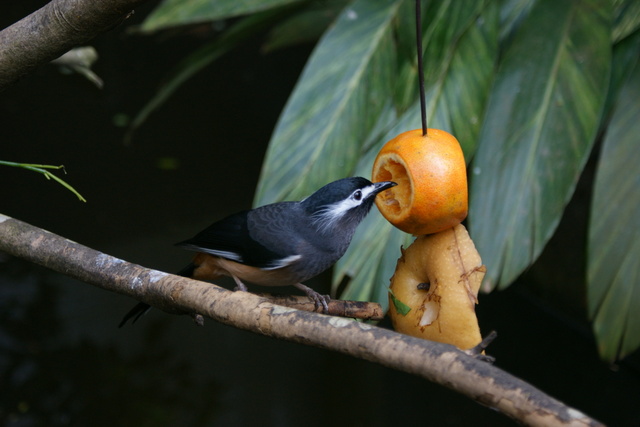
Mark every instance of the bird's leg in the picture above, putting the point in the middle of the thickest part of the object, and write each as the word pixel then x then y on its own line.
pixel 318 300
pixel 240 286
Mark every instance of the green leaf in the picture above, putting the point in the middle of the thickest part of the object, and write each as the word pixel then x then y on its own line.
pixel 341 92
pixel 461 47
pixel 306 26
pixel 468 79
pixel 512 12
pixel 401 307
pixel 626 18
pixel 171 13
pixel 541 121
pixel 458 85
pixel 625 57
pixel 43 170
pixel 406 90
pixel 613 274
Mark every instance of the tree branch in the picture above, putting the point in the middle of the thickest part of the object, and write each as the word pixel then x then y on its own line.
pixel 440 363
pixel 354 309
pixel 54 29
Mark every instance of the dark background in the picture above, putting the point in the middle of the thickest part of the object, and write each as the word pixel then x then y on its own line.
pixel 64 362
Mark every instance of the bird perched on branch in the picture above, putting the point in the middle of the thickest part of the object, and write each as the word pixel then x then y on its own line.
pixel 281 244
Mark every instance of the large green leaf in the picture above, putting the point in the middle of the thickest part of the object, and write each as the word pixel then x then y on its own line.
pixel 467 82
pixel 460 39
pixel 614 238
pixel 626 54
pixel 540 125
pixel 512 13
pixel 341 93
pixel 171 13
pixel 457 84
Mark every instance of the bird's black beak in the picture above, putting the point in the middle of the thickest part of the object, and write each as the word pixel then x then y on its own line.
pixel 381 186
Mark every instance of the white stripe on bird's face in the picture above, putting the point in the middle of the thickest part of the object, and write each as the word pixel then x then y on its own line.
pixel 329 215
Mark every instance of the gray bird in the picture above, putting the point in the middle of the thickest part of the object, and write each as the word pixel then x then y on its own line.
pixel 281 244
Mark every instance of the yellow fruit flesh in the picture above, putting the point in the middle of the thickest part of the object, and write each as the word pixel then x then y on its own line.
pixel 449 266
pixel 392 169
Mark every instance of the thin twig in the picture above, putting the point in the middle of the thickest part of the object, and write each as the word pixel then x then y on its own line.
pixel 42 169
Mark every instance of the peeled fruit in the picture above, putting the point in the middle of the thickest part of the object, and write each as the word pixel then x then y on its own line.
pixel 431 174
pixel 438 277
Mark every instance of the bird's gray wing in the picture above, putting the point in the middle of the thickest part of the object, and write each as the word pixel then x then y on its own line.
pixel 231 238
pixel 276 227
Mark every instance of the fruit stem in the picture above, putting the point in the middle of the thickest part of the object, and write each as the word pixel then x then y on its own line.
pixel 423 107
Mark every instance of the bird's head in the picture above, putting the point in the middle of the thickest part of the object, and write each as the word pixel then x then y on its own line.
pixel 343 203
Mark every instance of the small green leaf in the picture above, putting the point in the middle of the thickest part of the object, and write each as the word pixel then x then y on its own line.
pixel 48 175
pixel 401 307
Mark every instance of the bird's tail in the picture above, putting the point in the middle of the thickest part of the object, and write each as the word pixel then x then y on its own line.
pixel 188 270
pixel 141 308
pixel 135 313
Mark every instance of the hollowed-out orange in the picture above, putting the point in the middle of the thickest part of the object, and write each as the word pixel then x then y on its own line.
pixel 431 174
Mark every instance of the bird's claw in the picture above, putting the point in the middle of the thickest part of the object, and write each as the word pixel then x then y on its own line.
pixel 198 319
pixel 478 351
pixel 239 285
pixel 321 302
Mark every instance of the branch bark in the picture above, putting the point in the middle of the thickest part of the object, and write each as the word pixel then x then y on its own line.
pixel 353 309
pixel 440 363
pixel 52 30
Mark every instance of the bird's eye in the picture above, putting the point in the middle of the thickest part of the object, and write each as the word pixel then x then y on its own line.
pixel 357 195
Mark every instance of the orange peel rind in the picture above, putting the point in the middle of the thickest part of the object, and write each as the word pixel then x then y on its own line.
pixel 430 171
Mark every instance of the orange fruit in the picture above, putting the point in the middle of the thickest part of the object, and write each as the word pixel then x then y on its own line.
pixel 431 174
